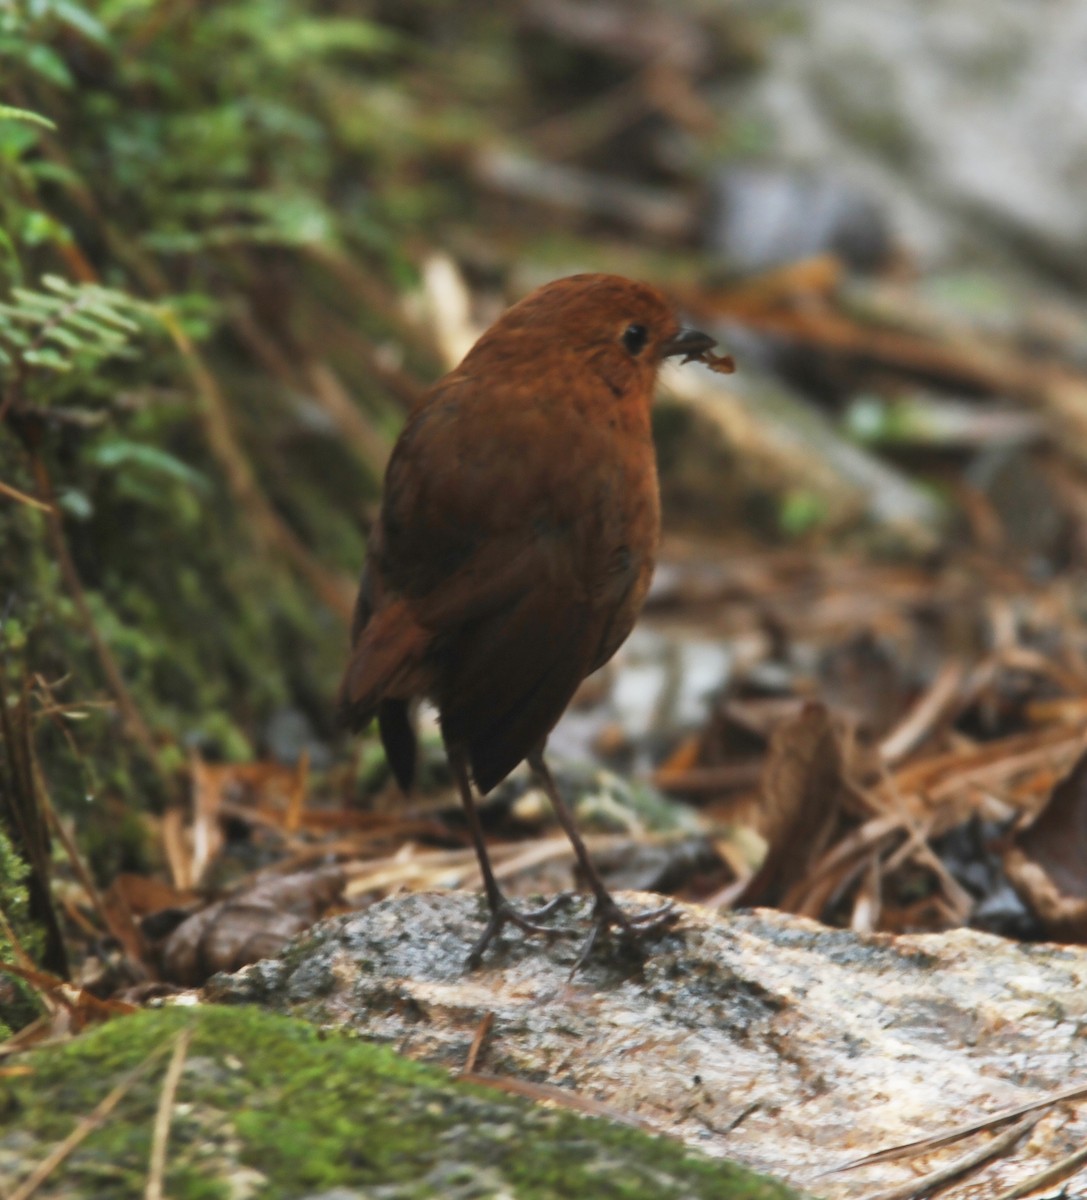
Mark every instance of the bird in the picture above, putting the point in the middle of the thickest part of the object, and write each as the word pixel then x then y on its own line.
pixel 513 550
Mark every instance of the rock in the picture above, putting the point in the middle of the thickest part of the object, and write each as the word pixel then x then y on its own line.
pixel 788 1046
pixel 955 115
pixel 289 734
pixel 763 216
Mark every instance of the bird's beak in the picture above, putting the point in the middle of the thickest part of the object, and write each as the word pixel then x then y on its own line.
pixel 690 342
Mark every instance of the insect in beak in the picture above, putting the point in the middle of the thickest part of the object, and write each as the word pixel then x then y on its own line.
pixel 689 342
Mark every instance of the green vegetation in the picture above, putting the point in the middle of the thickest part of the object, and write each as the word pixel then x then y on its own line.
pixel 205 222
pixel 17 1002
pixel 270 1101
pixel 209 217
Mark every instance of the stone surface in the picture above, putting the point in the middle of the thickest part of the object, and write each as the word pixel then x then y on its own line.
pixel 785 1045
pixel 965 117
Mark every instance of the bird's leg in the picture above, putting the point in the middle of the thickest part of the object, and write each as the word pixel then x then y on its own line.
pixel 502 911
pixel 606 913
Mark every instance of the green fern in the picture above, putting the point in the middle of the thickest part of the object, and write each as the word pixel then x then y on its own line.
pixel 67 327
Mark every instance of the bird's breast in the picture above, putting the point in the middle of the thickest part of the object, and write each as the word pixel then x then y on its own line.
pixel 608 515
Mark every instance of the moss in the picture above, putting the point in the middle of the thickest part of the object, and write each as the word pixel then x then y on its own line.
pixel 212 639
pixel 269 1105
pixel 17 1002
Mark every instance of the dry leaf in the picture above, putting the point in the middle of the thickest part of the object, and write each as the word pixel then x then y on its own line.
pixel 801 789
pixel 1047 861
pixel 253 924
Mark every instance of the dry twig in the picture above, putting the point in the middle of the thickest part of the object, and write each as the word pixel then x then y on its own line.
pixel 482 1029
pixel 934 1181
pixel 88 1124
pixel 161 1134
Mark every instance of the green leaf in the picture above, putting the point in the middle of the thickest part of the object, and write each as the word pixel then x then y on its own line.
pixel 113 453
pixel 47 63
pixel 46 357
pixel 7 113
pixel 30 306
pixel 38 228
pixel 77 17
pixel 76 504
pixel 801 511
pixel 316 37
pixel 64 337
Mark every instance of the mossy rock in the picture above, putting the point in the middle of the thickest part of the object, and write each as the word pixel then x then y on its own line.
pixel 269 1107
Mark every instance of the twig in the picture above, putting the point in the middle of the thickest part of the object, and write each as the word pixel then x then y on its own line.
pixel 132 716
pixel 482 1030
pixel 328 390
pixel 923 715
pixel 546 1093
pixel 989 365
pixel 927 1184
pixel 1045 1178
pixel 1076 1092
pixel 948 772
pixel 22 959
pixel 75 858
pixel 811 892
pixel 86 1126
pixel 270 530
pixel 13 492
pixel 22 809
pixel 570 133
pixel 708 780
pixel 296 800
pixel 791 446
pixel 161 1134
pixel 370 445
pixel 652 210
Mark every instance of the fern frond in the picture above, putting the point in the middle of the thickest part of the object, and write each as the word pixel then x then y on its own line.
pixel 64 327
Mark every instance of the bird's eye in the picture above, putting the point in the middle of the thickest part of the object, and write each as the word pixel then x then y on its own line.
pixel 635 337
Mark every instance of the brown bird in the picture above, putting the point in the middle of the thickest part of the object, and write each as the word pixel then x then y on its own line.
pixel 514 548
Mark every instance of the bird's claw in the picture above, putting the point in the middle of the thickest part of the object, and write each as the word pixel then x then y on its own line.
pixel 503 913
pixel 608 914
pixel 632 927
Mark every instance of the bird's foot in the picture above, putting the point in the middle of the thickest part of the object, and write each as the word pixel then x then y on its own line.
pixel 503 913
pixel 632 927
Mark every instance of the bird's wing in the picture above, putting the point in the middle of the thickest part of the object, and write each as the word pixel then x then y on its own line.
pixel 487 587
pixel 454 542
pixel 469 519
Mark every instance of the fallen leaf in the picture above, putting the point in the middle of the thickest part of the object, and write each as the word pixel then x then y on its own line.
pixel 1047 861
pixel 801 790
pixel 254 923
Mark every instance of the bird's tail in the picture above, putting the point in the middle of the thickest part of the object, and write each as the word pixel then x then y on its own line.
pixel 394 720
pixel 386 664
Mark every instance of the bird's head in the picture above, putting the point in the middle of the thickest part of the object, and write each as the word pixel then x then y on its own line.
pixel 614 329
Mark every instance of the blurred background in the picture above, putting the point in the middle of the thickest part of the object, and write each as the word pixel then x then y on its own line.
pixel 237 241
